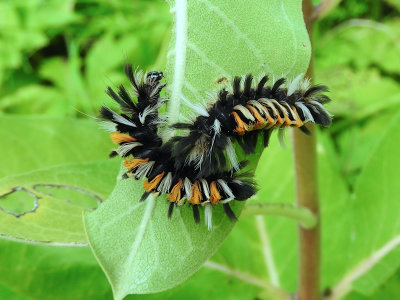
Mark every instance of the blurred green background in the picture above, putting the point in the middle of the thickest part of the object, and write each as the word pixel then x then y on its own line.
pixel 57 57
pixel 64 53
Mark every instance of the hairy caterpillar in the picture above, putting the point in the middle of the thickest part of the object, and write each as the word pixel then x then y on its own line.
pixel 193 168
pixel 242 115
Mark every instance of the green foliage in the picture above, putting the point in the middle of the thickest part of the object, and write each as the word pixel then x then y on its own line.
pixel 57 57
pixel 365 84
pixel 353 9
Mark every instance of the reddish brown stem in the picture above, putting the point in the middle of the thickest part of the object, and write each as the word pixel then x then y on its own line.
pixel 307 195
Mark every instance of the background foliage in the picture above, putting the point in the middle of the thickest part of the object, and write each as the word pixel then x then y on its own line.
pixel 57 57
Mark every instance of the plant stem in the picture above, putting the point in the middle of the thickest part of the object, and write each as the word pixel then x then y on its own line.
pixel 307 196
pixel 299 214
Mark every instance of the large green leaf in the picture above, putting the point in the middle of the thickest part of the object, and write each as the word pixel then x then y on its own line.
pixel 139 249
pixel 52 175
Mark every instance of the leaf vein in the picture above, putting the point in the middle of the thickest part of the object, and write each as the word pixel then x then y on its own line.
pixel 180 60
pixel 267 251
pixel 344 286
pixel 217 11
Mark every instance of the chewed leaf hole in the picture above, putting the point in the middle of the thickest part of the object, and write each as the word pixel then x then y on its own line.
pixel 18 202
pixel 70 194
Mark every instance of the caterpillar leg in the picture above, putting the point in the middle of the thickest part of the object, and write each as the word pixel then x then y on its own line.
pixel 229 212
pixel 144 196
pixel 305 130
pixel 196 214
pixel 171 209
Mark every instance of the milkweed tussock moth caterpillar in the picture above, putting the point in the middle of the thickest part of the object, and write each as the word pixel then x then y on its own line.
pixel 193 168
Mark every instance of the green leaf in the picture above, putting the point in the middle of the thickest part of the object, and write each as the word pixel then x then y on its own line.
pixel 378 273
pixel 388 291
pixel 140 250
pixel 50 273
pixel 375 230
pixel 375 202
pixel 35 214
pixel 32 143
pixel 51 178
pixel 356 142
pixel 6 293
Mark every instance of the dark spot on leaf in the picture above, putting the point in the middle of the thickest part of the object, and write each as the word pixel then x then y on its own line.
pixel 18 202
pixel 70 194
